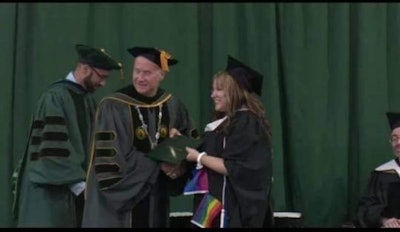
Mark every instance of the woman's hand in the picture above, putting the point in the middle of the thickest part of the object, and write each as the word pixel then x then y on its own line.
pixel 192 154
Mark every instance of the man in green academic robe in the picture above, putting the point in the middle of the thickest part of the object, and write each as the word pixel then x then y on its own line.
pixel 50 179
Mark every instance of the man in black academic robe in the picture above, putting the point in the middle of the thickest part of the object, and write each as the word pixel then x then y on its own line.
pixel 125 187
pixel 380 204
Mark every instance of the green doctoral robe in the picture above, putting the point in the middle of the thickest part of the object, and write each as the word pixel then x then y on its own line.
pixel 125 188
pixel 377 201
pixel 56 156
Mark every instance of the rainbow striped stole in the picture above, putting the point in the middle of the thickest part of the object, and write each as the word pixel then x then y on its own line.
pixel 198 184
pixel 208 209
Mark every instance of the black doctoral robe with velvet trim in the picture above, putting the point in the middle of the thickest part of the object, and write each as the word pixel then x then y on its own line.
pixel 125 188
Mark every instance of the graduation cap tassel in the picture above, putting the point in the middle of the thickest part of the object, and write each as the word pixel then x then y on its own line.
pixel 121 72
pixel 164 56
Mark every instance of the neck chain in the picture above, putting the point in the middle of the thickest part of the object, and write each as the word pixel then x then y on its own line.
pixel 153 144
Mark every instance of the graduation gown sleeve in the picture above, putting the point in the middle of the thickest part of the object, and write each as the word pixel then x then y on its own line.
pixel 56 152
pixel 119 175
pixel 179 119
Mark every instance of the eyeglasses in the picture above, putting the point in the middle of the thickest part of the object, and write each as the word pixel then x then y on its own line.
pixel 394 139
pixel 98 74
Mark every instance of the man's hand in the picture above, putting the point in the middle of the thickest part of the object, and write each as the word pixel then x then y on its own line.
pixel 173 171
pixel 390 223
pixel 174 132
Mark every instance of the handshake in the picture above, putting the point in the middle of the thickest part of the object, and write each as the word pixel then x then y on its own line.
pixel 171 152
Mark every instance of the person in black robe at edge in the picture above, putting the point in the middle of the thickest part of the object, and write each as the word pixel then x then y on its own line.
pixel 380 204
pixel 237 150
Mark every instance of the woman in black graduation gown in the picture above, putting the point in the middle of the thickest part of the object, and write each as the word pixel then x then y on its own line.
pixel 237 151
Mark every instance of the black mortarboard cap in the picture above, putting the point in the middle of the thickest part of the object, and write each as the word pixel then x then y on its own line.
pixel 247 77
pixel 97 58
pixel 160 57
pixel 172 150
pixel 394 119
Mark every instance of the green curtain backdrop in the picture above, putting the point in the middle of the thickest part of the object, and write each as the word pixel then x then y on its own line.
pixel 331 71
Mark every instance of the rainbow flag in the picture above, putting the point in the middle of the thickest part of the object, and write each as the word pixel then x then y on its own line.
pixel 208 209
pixel 198 184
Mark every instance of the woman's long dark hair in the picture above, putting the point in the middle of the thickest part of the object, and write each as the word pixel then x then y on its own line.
pixel 238 97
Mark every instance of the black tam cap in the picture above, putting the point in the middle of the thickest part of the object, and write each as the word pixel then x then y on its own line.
pixel 159 57
pixel 394 119
pixel 247 77
pixel 97 58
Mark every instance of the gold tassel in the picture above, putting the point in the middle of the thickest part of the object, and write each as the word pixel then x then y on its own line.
pixel 164 56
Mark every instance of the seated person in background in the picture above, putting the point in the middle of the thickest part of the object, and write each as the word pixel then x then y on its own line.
pixel 379 206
